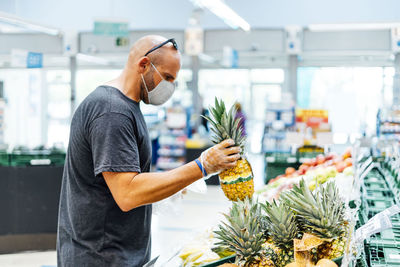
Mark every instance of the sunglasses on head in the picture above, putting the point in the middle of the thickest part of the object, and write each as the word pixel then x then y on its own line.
pixel 172 41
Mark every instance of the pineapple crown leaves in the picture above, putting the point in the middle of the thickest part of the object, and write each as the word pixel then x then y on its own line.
pixel 320 212
pixel 224 124
pixel 242 231
pixel 281 222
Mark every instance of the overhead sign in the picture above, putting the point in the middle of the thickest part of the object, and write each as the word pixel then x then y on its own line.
pixel 34 60
pixel 111 28
pixel 25 59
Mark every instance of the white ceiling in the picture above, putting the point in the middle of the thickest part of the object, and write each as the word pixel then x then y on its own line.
pixel 174 14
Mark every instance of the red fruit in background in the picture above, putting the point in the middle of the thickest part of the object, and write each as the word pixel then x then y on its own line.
pixel 348 162
pixel 330 156
pixel 313 162
pixel 290 171
pixel 303 167
pixel 320 159
pixel 340 166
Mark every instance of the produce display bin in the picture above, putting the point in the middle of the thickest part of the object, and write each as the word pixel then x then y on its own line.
pixel 39 157
pixel 276 163
pixel 4 159
pixel 306 152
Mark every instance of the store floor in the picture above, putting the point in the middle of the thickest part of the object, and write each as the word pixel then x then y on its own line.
pixel 191 215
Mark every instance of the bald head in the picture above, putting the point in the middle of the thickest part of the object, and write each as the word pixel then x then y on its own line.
pixel 144 44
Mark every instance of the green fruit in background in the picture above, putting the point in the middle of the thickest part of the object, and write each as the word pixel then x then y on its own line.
pixel 349 171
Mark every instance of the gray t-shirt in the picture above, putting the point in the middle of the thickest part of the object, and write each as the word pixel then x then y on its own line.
pixel 108 134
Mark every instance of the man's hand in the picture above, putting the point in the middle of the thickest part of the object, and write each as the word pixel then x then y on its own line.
pixel 220 157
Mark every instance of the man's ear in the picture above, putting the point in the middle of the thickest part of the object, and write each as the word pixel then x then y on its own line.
pixel 143 64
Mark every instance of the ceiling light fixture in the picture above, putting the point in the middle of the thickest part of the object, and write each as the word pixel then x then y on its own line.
pixel 28 25
pixel 224 12
pixel 352 27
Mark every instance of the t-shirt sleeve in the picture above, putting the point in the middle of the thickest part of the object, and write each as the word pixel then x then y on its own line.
pixel 114 144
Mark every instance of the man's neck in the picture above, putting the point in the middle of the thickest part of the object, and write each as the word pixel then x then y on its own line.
pixel 127 85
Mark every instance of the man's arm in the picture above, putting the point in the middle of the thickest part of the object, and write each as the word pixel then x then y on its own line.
pixel 131 190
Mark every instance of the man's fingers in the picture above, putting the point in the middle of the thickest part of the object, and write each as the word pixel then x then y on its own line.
pixel 226 143
pixel 232 150
pixel 233 158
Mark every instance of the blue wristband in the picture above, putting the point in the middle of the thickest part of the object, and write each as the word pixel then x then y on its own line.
pixel 203 171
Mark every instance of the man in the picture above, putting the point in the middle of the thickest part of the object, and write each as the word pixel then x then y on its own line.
pixel 107 189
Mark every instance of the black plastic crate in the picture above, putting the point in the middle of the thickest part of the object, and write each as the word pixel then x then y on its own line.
pixel 383 256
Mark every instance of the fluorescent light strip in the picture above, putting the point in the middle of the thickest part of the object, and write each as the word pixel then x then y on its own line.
pixel 352 26
pixel 224 12
pixel 22 23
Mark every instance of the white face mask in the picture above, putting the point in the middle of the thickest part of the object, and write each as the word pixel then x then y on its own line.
pixel 162 92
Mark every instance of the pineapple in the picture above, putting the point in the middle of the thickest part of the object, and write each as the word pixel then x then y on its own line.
pixel 237 182
pixel 243 234
pixel 320 213
pixel 282 229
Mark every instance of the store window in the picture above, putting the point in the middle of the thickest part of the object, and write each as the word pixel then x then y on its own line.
pixel 58 107
pixel 352 96
pixel 23 109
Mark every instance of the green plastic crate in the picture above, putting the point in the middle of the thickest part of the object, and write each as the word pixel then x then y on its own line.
pixel 4 159
pixel 377 194
pixel 374 180
pixel 277 163
pixel 386 238
pixel 362 261
pixel 28 158
pixel 381 256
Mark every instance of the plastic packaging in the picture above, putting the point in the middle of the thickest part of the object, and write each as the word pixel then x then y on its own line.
pixel 376 224
pixel 169 206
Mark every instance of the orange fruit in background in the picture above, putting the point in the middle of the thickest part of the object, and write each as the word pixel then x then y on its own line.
pixel 348 162
pixel 290 171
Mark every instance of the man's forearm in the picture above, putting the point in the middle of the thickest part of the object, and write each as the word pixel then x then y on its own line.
pixel 152 187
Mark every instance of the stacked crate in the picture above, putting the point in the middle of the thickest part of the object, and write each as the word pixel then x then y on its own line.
pixel 379 192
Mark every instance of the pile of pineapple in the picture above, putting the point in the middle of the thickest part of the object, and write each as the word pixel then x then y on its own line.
pixel 237 182
pixel 264 234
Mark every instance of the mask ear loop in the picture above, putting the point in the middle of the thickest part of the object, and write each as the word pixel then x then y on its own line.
pixel 145 86
pixel 157 70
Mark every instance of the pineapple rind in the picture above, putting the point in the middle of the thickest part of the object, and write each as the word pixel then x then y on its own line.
pixel 238 191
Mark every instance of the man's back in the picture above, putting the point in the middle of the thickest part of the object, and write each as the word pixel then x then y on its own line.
pixel 108 134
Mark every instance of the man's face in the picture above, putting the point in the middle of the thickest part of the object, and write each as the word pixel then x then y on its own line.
pixel 168 67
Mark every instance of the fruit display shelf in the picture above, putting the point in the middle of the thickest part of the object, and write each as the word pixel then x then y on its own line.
pixel 265 231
